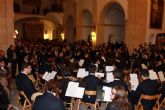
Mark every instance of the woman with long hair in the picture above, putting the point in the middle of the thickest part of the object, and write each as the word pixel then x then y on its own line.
pixel 119 99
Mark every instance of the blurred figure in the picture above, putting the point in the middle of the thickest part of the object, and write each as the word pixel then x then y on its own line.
pixel 119 99
pixel 49 100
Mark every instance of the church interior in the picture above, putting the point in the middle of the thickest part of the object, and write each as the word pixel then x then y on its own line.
pixel 77 50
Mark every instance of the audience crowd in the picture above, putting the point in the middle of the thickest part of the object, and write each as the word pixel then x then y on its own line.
pixel 37 57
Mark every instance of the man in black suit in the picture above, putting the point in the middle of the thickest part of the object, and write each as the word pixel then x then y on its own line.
pixel 49 100
pixel 23 82
pixel 118 80
pixel 146 87
pixel 91 83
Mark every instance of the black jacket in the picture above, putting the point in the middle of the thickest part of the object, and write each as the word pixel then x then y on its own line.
pixel 48 101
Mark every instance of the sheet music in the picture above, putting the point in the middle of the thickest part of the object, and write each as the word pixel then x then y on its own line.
pixel 82 73
pixel 81 62
pixel 74 91
pixel 79 92
pixel 134 81
pixel 52 75
pixel 103 58
pixel 109 68
pixel 109 77
pixel 107 93
pixel 153 75
pixel 45 75
pixel 144 66
pixel 99 74
pixel 71 60
pixel 48 76
pixel 161 76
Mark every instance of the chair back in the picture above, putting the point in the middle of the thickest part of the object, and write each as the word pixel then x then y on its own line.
pixel 26 102
pixel 162 104
pixel 149 98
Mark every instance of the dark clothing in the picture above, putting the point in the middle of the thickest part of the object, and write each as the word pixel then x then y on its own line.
pixel 4 102
pixel 48 101
pixel 12 58
pixel 116 106
pixel 118 83
pixel 147 87
pixel 64 83
pixel 25 84
pixel 91 82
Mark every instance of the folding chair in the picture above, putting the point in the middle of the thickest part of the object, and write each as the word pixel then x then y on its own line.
pixel 162 104
pixel 95 105
pixel 149 98
pixel 26 103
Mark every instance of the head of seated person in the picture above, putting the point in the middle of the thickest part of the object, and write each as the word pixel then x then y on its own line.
pixel 144 74
pixel 92 69
pixel 26 68
pixel 119 99
pixel 53 86
pixel 118 74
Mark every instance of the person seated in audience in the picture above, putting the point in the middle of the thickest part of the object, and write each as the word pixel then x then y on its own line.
pixel 119 99
pixel 146 87
pixel 66 77
pixel 4 101
pixel 49 100
pixel 24 83
pixel 4 76
pixel 118 80
pixel 91 82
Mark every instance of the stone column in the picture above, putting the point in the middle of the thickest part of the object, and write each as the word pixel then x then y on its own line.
pixel 6 24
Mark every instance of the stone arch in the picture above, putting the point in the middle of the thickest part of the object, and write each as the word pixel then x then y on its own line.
pixel 112 22
pixel 86 23
pixel 40 25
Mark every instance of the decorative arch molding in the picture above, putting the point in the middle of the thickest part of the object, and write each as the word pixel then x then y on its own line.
pixel 122 3
pixel 82 17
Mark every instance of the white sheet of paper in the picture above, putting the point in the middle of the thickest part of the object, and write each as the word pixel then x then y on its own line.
pixel 109 77
pixel 82 73
pixel 86 73
pixel 134 81
pixel 79 92
pixel 47 78
pixel 107 93
pixel 133 77
pixel 109 68
pixel 71 60
pixel 153 75
pixel 103 58
pixel 99 74
pixel 144 66
pixel 71 88
pixel 45 75
pixel 81 62
pixel 74 91
pixel 52 75
pixel 161 76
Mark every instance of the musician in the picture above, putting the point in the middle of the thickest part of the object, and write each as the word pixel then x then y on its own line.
pixel 91 82
pixel 24 83
pixel 118 80
pixel 49 100
pixel 4 76
pixel 146 87
pixel 119 99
